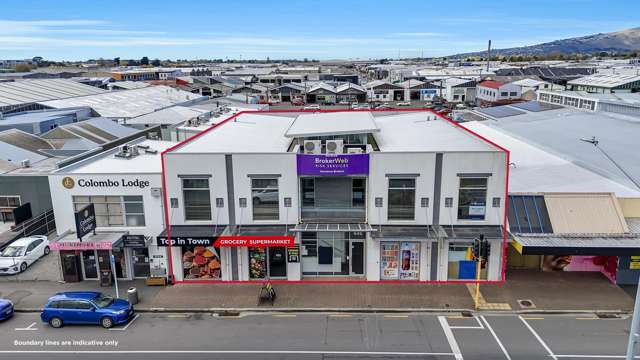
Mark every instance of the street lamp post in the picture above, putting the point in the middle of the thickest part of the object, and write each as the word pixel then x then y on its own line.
pixel 634 336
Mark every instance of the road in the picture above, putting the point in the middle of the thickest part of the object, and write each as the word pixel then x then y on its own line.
pixel 315 336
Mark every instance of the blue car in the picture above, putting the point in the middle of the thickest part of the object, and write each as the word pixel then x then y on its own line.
pixel 86 307
pixel 6 309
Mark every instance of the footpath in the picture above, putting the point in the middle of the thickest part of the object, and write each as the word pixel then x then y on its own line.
pixel 524 291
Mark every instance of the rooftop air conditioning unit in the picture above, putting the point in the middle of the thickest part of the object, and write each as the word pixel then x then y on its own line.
pixel 26 163
pixel 356 150
pixel 312 147
pixel 335 146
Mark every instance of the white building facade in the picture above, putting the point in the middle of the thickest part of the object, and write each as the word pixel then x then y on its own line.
pixel 365 196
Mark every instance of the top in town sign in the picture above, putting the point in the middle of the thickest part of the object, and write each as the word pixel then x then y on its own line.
pixel 333 165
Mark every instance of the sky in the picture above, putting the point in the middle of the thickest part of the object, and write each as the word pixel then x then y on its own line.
pixel 278 29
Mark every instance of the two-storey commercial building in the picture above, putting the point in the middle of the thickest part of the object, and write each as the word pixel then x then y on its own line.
pixel 376 196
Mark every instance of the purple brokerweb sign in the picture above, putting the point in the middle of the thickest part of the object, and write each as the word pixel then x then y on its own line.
pixel 333 165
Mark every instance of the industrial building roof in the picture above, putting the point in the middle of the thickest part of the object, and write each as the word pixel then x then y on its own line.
pixel 128 103
pixel 424 132
pixel 333 123
pixel 594 213
pixel 129 85
pixel 107 163
pixel 30 91
pixel 30 117
pixel 169 116
pixel 605 80
pixel 559 131
pixel 96 131
pixel 535 170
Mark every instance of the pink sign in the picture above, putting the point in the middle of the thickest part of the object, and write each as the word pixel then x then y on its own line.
pixel 80 246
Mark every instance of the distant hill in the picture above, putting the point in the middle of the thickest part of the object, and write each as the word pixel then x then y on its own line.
pixel 619 41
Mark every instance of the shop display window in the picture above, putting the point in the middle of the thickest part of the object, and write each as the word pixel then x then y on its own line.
pixel 201 262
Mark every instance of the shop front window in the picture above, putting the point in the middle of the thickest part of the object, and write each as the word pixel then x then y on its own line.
pixel 201 262
pixel 402 199
pixel 90 264
pixel 114 211
pixel 257 263
pixel 400 261
pixel 325 253
pixel 472 199
pixel 461 263
pixel 264 194
pixel 197 199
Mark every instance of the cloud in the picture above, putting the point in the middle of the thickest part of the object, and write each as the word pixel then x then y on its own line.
pixel 417 34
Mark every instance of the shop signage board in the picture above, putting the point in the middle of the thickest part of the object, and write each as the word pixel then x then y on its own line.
pixel 333 165
pixel 134 241
pixel 81 246
pixel 255 241
pixel 634 263
pixel 293 254
pixel 186 241
pixel 85 221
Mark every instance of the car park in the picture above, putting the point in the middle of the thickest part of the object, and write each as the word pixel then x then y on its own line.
pixel 22 253
pixel 86 307
pixel 6 309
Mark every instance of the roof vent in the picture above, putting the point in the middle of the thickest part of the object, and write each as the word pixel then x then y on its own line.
pixel 127 152
pixel 26 163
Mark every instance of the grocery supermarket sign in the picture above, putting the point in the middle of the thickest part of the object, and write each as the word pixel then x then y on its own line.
pixel 255 241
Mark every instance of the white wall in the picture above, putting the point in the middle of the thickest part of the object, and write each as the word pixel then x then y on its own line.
pixel 177 164
pixel 62 201
pixel 468 163
pixel 266 164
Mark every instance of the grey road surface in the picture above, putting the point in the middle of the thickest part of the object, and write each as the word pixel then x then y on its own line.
pixel 322 336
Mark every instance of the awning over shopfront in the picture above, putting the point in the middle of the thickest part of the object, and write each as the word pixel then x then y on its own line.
pixel 97 241
pixel 188 235
pixel 312 227
pixel 577 244
pixel 408 233
pixel 464 232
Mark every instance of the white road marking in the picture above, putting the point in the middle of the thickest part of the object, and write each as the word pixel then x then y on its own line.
pixel 128 324
pixel 595 356
pixel 544 345
pixel 28 328
pixel 504 351
pixel 295 352
pixel 450 338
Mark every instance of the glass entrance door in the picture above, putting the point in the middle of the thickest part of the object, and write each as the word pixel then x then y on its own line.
pixel 277 262
pixel 89 265
pixel 267 263
pixel 141 262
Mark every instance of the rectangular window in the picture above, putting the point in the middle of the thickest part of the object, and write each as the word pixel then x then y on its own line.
pixel 513 93
pixel 112 211
pixel 504 93
pixel 357 193
pixel 308 192
pixel 264 195
pixel 472 198
pixel 197 199
pixel 9 202
pixel 402 199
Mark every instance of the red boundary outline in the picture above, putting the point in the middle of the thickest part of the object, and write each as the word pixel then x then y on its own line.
pixel 274 281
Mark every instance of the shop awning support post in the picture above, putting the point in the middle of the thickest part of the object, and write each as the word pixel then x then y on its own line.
pixel 113 270
pixel 635 326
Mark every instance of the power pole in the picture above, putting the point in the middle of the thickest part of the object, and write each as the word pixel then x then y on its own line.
pixel 488 55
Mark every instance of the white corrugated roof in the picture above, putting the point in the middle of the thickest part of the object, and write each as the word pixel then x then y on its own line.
pixel 29 91
pixel 172 115
pixel 536 171
pixel 333 123
pixel 128 103
pixel 605 80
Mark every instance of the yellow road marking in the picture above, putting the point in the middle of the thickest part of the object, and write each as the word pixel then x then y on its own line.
pixel 284 315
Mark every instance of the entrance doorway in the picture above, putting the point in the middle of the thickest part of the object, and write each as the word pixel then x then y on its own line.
pixel 71 268
pixel 332 253
pixel 267 263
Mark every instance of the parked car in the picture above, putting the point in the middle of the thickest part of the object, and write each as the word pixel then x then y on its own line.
pixel 20 254
pixel 343 102
pixel 312 107
pixel 404 103
pixel 384 106
pixel 297 102
pixel 86 307
pixel 354 105
pixel 6 309
pixel 362 107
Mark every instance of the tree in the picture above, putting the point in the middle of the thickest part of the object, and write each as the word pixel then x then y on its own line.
pixel 22 68
pixel 116 61
pixel 144 61
pixel 155 62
